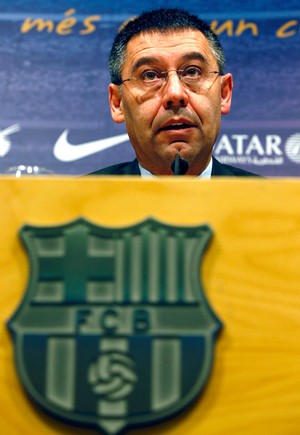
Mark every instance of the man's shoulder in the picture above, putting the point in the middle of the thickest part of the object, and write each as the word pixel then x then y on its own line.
pixel 132 168
pixel 223 170
pixel 125 168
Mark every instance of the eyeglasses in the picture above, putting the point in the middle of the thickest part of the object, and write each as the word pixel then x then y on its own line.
pixel 192 77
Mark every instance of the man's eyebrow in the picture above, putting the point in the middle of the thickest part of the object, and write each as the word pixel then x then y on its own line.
pixel 195 55
pixel 144 61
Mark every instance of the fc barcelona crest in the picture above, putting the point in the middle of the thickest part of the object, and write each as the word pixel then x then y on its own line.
pixel 114 330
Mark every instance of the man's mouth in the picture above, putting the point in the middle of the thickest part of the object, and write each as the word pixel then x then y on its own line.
pixel 176 126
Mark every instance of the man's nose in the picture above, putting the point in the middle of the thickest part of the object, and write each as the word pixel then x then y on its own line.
pixel 175 94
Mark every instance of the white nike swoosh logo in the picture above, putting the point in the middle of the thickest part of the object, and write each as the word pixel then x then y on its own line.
pixel 66 152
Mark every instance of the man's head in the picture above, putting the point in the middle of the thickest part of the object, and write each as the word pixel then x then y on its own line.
pixel 163 21
pixel 168 85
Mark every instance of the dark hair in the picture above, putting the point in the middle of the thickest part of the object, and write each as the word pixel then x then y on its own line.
pixel 164 21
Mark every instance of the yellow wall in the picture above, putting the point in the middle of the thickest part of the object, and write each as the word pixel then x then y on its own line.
pixel 251 274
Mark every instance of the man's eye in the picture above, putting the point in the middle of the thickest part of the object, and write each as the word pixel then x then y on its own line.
pixel 149 76
pixel 192 71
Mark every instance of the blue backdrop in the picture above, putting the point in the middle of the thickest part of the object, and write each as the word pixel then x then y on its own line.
pixel 54 77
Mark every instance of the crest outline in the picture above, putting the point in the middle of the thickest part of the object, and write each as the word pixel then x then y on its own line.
pixel 134 317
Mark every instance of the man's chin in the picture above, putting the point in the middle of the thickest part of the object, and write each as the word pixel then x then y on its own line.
pixel 182 149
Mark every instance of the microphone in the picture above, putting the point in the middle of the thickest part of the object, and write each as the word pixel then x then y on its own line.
pixel 179 166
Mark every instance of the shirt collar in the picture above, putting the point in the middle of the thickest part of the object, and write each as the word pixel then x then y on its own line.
pixel 205 174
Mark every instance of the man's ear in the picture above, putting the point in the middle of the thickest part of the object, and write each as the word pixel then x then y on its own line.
pixel 226 93
pixel 115 103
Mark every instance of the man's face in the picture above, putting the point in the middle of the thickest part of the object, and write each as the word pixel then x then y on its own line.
pixel 176 118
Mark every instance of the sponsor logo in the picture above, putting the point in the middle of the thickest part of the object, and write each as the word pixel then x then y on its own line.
pixel 257 150
pixel 67 152
pixel 114 330
pixel 232 149
pixel 5 143
pixel 292 148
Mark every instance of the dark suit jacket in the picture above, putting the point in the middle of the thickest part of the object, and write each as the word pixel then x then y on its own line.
pixel 132 168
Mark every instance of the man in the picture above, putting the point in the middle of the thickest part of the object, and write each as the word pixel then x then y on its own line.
pixel 169 87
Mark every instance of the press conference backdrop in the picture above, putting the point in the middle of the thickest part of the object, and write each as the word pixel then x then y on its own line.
pixel 53 83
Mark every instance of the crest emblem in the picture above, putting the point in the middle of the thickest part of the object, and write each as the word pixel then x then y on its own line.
pixel 114 330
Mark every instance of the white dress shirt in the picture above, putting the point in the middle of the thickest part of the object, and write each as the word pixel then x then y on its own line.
pixel 205 174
